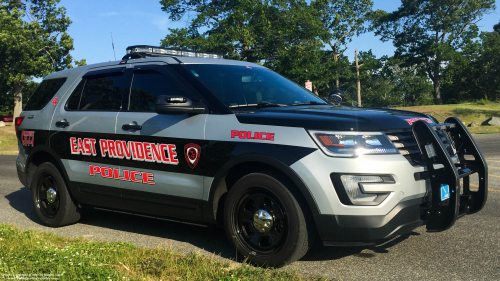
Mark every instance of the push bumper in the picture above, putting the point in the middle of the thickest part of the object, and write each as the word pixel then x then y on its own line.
pixel 367 230
pixel 440 209
pixel 450 198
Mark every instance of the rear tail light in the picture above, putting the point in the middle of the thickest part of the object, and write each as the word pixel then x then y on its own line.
pixel 19 120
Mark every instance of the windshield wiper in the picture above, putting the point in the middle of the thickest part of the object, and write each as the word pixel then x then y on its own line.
pixel 309 103
pixel 258 105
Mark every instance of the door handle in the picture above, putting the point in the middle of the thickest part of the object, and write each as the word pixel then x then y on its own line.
pixel 62 123
pixel 131 127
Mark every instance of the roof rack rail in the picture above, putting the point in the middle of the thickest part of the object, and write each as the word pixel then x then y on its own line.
pixel 142 51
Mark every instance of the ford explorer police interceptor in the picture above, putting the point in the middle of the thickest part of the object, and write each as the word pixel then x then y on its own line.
pixel 188 135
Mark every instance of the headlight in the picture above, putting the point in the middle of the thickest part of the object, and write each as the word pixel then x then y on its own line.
pixel 353 144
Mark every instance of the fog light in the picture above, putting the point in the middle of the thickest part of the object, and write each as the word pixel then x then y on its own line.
pixel 355 193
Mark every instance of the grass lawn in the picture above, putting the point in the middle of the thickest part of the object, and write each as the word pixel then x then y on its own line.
pixel 46 255
pixel 468 113
pixel 8 140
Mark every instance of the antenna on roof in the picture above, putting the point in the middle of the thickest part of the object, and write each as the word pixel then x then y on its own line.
pixel 113 44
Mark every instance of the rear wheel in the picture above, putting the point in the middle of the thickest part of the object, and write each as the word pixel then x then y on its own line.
pixel 265 222
pixel 51 199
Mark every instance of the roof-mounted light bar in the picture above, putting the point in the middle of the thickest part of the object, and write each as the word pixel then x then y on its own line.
pixel 151 51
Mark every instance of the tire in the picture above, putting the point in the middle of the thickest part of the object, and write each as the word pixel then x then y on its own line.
pixel 51 199
pixel 280 235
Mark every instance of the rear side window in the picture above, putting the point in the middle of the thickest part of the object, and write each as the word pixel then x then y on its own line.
pixel 147 86
pixel 44 93
pixel 103 92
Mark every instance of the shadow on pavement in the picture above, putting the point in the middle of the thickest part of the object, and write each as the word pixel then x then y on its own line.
pixel 319 252
pixel 211 239
pixel 21 201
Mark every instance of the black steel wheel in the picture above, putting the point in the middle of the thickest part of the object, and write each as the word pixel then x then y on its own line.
pixel 51 199
pixel 265 222
pixel 261 222
pixel 48 195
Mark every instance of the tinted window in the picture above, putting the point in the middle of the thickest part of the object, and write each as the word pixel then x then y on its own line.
pixel 244 85
pixel 44 93
pixel 74 99
pixel 147 86
pixel 100 92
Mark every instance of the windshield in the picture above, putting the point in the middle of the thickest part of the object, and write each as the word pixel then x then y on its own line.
pixel 244 86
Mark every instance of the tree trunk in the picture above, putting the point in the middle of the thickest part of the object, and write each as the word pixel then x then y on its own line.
pixel 357 77
pixel 336 59
pixel 437 90
pixel 17 91
pixel 437 81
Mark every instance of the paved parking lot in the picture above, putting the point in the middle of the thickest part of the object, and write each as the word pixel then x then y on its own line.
pixel 468 251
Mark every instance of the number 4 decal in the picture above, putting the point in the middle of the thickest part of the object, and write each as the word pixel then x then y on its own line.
pixel 54 101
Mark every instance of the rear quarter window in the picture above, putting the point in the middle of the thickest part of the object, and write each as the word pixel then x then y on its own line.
pixel 44 93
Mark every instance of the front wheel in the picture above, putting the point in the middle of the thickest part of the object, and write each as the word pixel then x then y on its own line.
pixel 51 199
pixel 265 222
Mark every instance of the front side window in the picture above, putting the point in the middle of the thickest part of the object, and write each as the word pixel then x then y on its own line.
pixel 243 86
pixel 147 85
pixel 44 93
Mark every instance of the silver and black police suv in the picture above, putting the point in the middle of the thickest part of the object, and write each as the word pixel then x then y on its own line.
pixel 188 135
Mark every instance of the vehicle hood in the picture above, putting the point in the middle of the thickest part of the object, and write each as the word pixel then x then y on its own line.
pixel 332 118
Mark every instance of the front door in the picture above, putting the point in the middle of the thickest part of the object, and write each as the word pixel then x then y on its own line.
pixel 161 154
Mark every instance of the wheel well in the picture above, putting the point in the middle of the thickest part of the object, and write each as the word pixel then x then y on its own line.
pixel 242 169
pixel 39 158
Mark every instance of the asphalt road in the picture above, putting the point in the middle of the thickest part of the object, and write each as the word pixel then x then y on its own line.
pixel 468 251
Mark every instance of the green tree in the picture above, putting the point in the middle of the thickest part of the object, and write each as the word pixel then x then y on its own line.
pixel 241 29
pixel 475 74
pixel 429 33
pixel 33 43
pixel 342 20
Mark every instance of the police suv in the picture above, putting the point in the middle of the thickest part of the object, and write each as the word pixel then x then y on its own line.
pixel 187 135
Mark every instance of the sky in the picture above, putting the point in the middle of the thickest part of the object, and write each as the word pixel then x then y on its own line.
pixel 144 23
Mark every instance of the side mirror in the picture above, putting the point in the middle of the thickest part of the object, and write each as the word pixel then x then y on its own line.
pixel 178 105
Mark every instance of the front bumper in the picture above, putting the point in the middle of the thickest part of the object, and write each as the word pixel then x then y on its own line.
pixel 342 230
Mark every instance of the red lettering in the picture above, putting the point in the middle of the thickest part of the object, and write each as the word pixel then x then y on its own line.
pixel 111 146
pixel 147 152
pixel 126 149
pixel 119 149
pixel 234 134
pixel 88 149
pixel 116 174
pixel 104 147
pixel 164 151
pixel 147 178
pixel 133 176
pixel 156 152
pixel 173 154
pixel 74 147
pixel 139 151
pixel 80 146
pixel 270 136
pixel 106 172
pixel 261 136
pixel 126 175
pixel 92 141
pixel 94 169
pixel 243 135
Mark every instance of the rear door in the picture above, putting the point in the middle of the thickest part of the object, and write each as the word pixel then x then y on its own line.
pixel 81 126
pixel 164 162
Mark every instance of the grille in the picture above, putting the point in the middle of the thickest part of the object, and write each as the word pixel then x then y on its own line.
pixel 407 145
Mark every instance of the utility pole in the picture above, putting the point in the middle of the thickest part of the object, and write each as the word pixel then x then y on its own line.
pixel 357 76
pixel 113 44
